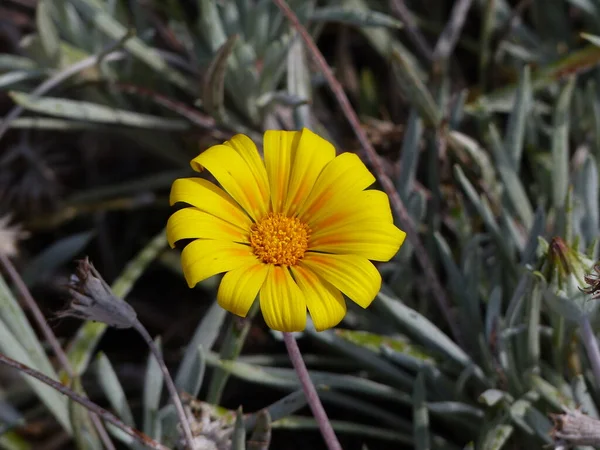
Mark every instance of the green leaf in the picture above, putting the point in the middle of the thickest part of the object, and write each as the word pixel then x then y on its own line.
pixel 84 432
pixel 560 145
pixel 213 90
pixel 298 82
pixel 109 26
pixel 19 341
pixel 238 439
pixel 425 331
pixel 343 427
pixel 109 382
pixel 415 90
pixel 210 24
pixel 204 337
pixel 512 183
pixel 420 415
pixel 358 17
pixel 53 257
pixel 411 148
pixel 278 410
pixel 515 132
pixel 287 379
pixel 153 382
pixel 92 112
pixel 49 37
pixel 230 349
pixel 393 375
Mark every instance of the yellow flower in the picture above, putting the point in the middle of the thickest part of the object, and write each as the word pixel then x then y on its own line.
pixel 298 229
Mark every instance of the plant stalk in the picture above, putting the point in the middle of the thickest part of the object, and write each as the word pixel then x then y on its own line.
pixel 169 382
pixel 311 393
pixel 591 346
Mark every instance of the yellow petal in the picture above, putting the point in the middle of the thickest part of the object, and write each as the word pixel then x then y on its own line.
pixel 325 303
pixel 311 156
pixel 282 304
pixel 354 275
pixel 280 148
pixel 239 288
pixel 236 177
pixel 209 198
pixel 374 240
pixel 346 175
pixel 191 223
pixel 366 206
pixel 203 258
pixel 248 151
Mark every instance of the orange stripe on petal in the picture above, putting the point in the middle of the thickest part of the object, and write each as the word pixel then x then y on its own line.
pixel 366 206
pixel 239 288
pixel 208 197
pixel 354 275
pixel 191 223
pixel 279 148
pixel 325 303
pixel 236 177
pixel 248 151
pixel 204 258
pixel 374 240
pixel 312 155
pixel 346 175
pixel 282 304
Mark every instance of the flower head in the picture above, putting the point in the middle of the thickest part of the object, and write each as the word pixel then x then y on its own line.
pixel 92 299
pixel 298 229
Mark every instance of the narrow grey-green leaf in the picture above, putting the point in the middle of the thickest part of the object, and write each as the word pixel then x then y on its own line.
pixel 108 381
pixel 85 434
pixel 153 383
pixel 213 89
pixel 512 183
pixel 56 403
pixel 53 257
pixel 411 147
pixel 17 76
pixel 415 90
pixel 283 407
pixel 425 330
pixel 497 437
pixel 238 439
pixel 92 112
pixel 515 132
pixel 109 25
pixel 420 415
pixel 298 82
pixel 394 375
pixel 48 32
pixel 560 145
pixel 205 336
pixel 351 16
pixel 210 24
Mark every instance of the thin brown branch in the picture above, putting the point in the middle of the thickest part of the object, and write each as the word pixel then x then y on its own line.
pixel 91 406
pixel 399 207
pixel 47 332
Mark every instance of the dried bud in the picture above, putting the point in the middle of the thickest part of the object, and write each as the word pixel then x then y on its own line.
pixel 575 428
pixel 593 282
pixel 92 299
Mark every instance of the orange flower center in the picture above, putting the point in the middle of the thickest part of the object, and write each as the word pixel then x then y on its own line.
pixel 281 240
